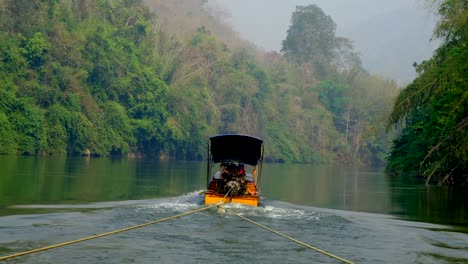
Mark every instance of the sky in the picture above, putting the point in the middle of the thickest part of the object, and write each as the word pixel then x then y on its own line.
pixel 390 35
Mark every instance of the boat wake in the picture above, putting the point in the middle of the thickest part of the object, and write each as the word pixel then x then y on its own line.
pixel 267 208
pixel 183 203
pixel 192 200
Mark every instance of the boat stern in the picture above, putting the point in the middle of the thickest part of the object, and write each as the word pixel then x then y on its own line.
pixel 214 198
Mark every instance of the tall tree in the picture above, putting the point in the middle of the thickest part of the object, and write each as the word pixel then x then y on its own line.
pixel 311 37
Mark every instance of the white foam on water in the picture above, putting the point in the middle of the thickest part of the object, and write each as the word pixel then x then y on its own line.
pixel 183 203
pixel 267 208
pixel 195 199
pixel 275 212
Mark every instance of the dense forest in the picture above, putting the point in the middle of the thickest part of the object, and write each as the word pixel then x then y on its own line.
pixel 156 78
pixel 433 109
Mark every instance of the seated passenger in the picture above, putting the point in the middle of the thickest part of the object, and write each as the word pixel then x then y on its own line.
pixel 218 174
pixel 240 169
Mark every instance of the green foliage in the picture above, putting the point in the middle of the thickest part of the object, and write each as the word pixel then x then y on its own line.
pixel 311 40
pixel 27 120
pixel 311 36
pixel 7 141
pixel 57 136
pixel 76 75
pixel 333 96
pixel 119 130
pixel 34 50
pixel 434 108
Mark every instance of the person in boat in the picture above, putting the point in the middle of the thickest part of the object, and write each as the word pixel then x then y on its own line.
pixel 229 172
pixel 241 176
pixel 218 178
pixel 248 180
pixel 240 170
pixel 218 174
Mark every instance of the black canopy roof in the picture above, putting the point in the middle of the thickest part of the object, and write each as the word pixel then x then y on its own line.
pixel 234 147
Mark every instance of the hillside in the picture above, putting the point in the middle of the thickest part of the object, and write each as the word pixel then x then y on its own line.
pixel 112 78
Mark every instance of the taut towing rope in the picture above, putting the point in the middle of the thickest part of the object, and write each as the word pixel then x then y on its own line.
pixel 222 210
pixel 290 238
pixel 106 234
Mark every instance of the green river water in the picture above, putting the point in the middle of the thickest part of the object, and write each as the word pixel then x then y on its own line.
pixel 356 213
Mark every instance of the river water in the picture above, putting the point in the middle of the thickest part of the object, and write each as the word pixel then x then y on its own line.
pixel 358 214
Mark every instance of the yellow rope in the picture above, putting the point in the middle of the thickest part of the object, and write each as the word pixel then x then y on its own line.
pixel 221 203
pixel 292 239
pixel 104 234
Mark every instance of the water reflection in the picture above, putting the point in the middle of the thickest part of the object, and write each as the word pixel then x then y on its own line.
pixel 435 204
pixel 59 180
pixel 367 190
pixel 328 186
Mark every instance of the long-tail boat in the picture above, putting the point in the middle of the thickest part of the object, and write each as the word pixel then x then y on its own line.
pixel 237 160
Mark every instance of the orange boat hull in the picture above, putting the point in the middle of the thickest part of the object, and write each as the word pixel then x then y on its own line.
pixel 250 198
pixel 213 198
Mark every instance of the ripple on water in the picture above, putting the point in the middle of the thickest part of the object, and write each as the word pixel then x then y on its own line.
pixel 361 237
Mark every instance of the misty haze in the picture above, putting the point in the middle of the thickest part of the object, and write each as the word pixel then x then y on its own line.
pixel 389 35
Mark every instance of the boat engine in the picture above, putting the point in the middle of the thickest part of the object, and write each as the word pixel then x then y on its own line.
pixel 234 178
pixel 234 186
